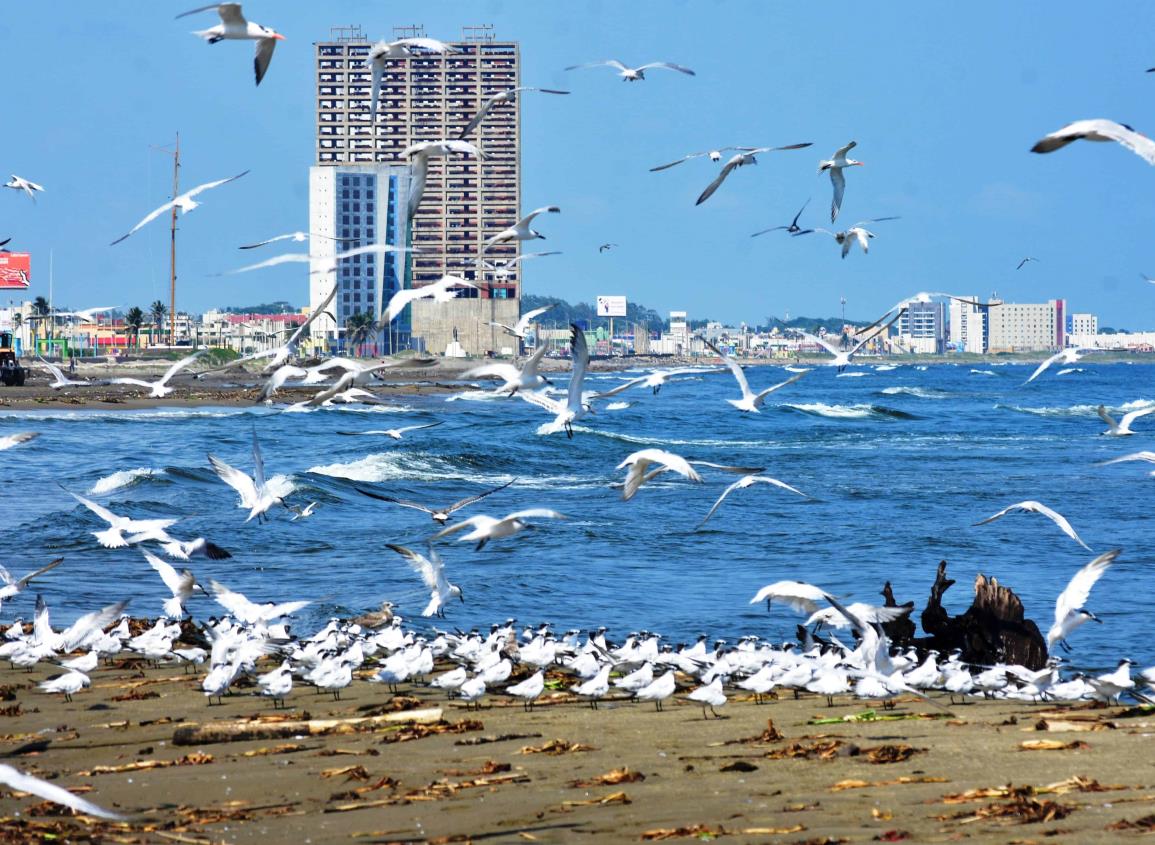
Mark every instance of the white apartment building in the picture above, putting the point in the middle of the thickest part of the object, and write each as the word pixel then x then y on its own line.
pixel 1017 327
pixel 968 325
pixel 1084 324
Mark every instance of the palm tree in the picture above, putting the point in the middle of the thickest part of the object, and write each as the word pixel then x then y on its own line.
pixel 133 320
pixel 40 309
pixel 157 310
pixel 358 327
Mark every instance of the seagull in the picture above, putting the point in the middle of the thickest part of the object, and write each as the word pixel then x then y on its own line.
pixel 847 238
pixel 797 595
pixel 395 433
pixel 793 228
pixel 443 290
pixel 504 270
pixel 741 160
pixel 13 586
pixel 1024 261
pixel 382 51
pixel 1149 457
pixel 113 536
pixel 520 328
pixel 633 74
pixel 750 402
pixel 296 237
pixel 521 231
pixel 182 584
pixel 1098 130
pixel 20 184
pixel 249 612
pixel 1038 507
pixel 835 166
pixel 440 515
pixel 257 494
pixel 842 358
pixel 596 687
pixel 86 315
pixel 159 388
pixel 1123 427
pixel 19 781
pixel 1067 356
pixel 486 528
pixel 525 378
pixel 507 96
pixel 184 202
pixel 742 484
pixel 574 408
pixel 234 27
pixel 420 153
pixel 432 572
pixel 12 440
pixel 639 462
pixel 1069 611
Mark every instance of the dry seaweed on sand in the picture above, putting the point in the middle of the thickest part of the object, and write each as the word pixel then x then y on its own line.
pixel 408 733
pixel 831 749
pixel 611 778
pixel 1053 745
pixel 855 783
pixel 1021 809
pixel 706 832
pixel 195 759
pixel 557 746
pixel 1075 783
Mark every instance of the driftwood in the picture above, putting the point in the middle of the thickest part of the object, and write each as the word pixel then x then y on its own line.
pixel 251 729
pixel 901 631
pixel 994 629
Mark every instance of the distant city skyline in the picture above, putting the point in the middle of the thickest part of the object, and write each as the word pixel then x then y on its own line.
pixel 973 203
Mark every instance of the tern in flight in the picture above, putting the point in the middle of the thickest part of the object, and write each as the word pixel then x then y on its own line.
pixel 440 515
pixel 234 27
pixel 524 378
pixel 842 358
pixel 395 433
pixel 381 52
pixel 639 469
pixel 1122 428
pixel 1039 507
pixel 19 781
pixel 507 96
pixel 295 237
pixel 575 407
pixel 1067 356
pixel 486 528
pixel 847 238
pixel 443 290
pixel 744 482
pixel 741 160
pixel 633 74
pixel 793 228
pixel 521 231
pixel 1069 611
pixel 420 153
pixel 257 494
pixel 184 202
pixel 432 572
pixel 159 388
pixel 506 269
pixel 835 165
pixel 20 184
pixel 520 328
pixel 1098 130
pixel 1024 261
pixel 750 402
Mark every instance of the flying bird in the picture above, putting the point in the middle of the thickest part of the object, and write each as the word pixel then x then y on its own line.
pixel 521 231
pixel 715 155
pixel 846 239
pixel 750 402
pixel 633 74
pixel 1098 130
pixel 440 515
pixel 159 389
pixel 21 184
pixel 486 528
pixel 842 358
pixel 419 154
pixel 113 536
pixel 1024 261
pixel 505 269
pixel 575 407
pixel 184 202
pixel 1039 507
pixel 507 96
pixel 525 378
pixel 606 247
pixel 181 584
pixel 741 160
pixel 257 494
pixel 1067 356
pixel 295 237
pixel 86 315
pixel 250 612
pixel 443 290
pixel 395 433
pixel 639 469
pixel 1069 611
pixel 1149 457
pixel 742 484
pixel 19 781
pixel 432 572
pixel 234 27
pixel 835 165
pixel 1122 428
pixel 521 327
pixel 382 51
pixel 793 228
pixel 13 586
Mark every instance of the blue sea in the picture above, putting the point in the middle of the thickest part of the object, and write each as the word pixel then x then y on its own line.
pixel 899 463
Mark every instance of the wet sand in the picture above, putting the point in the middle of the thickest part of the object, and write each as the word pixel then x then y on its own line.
pixel 630 773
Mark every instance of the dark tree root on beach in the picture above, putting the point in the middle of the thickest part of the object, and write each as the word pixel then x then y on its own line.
pixel 993 629
pixel 901 631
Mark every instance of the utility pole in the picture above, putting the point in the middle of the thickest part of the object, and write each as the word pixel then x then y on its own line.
pixel 172 269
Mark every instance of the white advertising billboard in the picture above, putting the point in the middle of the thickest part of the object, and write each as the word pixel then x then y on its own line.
pixel 611 306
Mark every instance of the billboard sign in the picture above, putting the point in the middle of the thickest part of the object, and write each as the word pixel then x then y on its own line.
pixel 15 269
pixel 611 306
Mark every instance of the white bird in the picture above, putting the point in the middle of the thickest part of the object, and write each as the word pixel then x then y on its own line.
pixel 835 165
pixel 797 595
pixel 869 614
pixel 520 328
pixel 234 27
pixel 486 528
pixel 842 358
pixel 181 549
pixel 1067 356
pixel 750 402
pixel 159 388
pixel 328 263
pixel 471 691
pixel 86 315
pixel 1149 457
pixel 20 184
pixel 250 612
pixel 639 462
pixel 574 408
pixel 1069 611
pixel 715 155
pixel 440 515
pixel 640 678
pixel 296 237
pixel 507 96
pixel 13 586
pixel 432 572
pixel 659 690
pixel 709 695
pixel 277 684
pixel 521 231
pixel 1122 428
pixel 1038 507
pixel 1111 685
pixel 113 536
pixel 742 484
pixel 382 51
pixel 1098 130
pixel 182 584
pixel 529 689
pixel 443 290
pixel 184 202
pixel 741 159
pixel 19 781
pixel 505 270
pixel 596 687
pixel 11 440
pixel 633 74
pixel 656 379
pixel 855 234
pixel 516 378
pixel 303 513
pixel 257 494
pixel 395 433
pixel 69 683
pixel 419 154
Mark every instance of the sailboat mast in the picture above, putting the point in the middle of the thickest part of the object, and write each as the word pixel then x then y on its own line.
pixel 172 269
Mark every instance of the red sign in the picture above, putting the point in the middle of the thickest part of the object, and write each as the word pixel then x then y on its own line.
pixel 15 269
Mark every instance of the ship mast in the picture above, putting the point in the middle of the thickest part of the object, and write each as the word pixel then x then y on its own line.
pixel 172 268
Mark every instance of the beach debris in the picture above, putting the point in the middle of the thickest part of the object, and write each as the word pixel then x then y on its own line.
pixel 1053 745
pixel 855 783
pixel 356 772
pixel 771 734
pixel 707 832
pixel 895 753
pixel 875 716
pixel 892 836
pixel 556 747
pixel 1145 824
pixel 1075 783
pixel 286 748
pixel 881 815
pixel 739 766
pixel 489 767
pixel 194 759
pixel 611 778
pixel 1021 808
pixel 433 792
pixel 484 740
pixel 612 798
pixel 1073 725
pixel 829 749
pixel 408 733
pixel 263 728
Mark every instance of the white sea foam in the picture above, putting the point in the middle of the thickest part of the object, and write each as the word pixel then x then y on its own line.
pixel 618 406
pixel 848 412
pixel 920 392
pixel 984 372
pixel 119 480
pixel 851 375
pixel 886 368
pixel 1079 410
pixel 399 466
pixel 1070 370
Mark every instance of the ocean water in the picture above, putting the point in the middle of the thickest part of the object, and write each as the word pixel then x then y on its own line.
pixel 899 464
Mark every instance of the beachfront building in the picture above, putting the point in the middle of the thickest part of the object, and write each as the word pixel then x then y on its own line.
pixel 1082 325
pixel 968 325
pixel 922 328
pixel 678 340
pixel 1017 327
pixel 427 97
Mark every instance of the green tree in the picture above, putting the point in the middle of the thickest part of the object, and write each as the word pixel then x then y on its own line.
pixel 133 321
pixel 158 311
pixel 358 327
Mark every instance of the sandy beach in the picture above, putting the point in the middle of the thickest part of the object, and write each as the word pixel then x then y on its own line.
pixel 784 771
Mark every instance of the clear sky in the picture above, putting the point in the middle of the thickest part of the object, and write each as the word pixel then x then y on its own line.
pixel 945 101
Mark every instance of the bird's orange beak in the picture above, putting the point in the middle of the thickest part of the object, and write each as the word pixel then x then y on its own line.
pixel 279 37
pixel 859 163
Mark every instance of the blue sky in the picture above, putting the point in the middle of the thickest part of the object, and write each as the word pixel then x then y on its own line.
pixel 944 100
